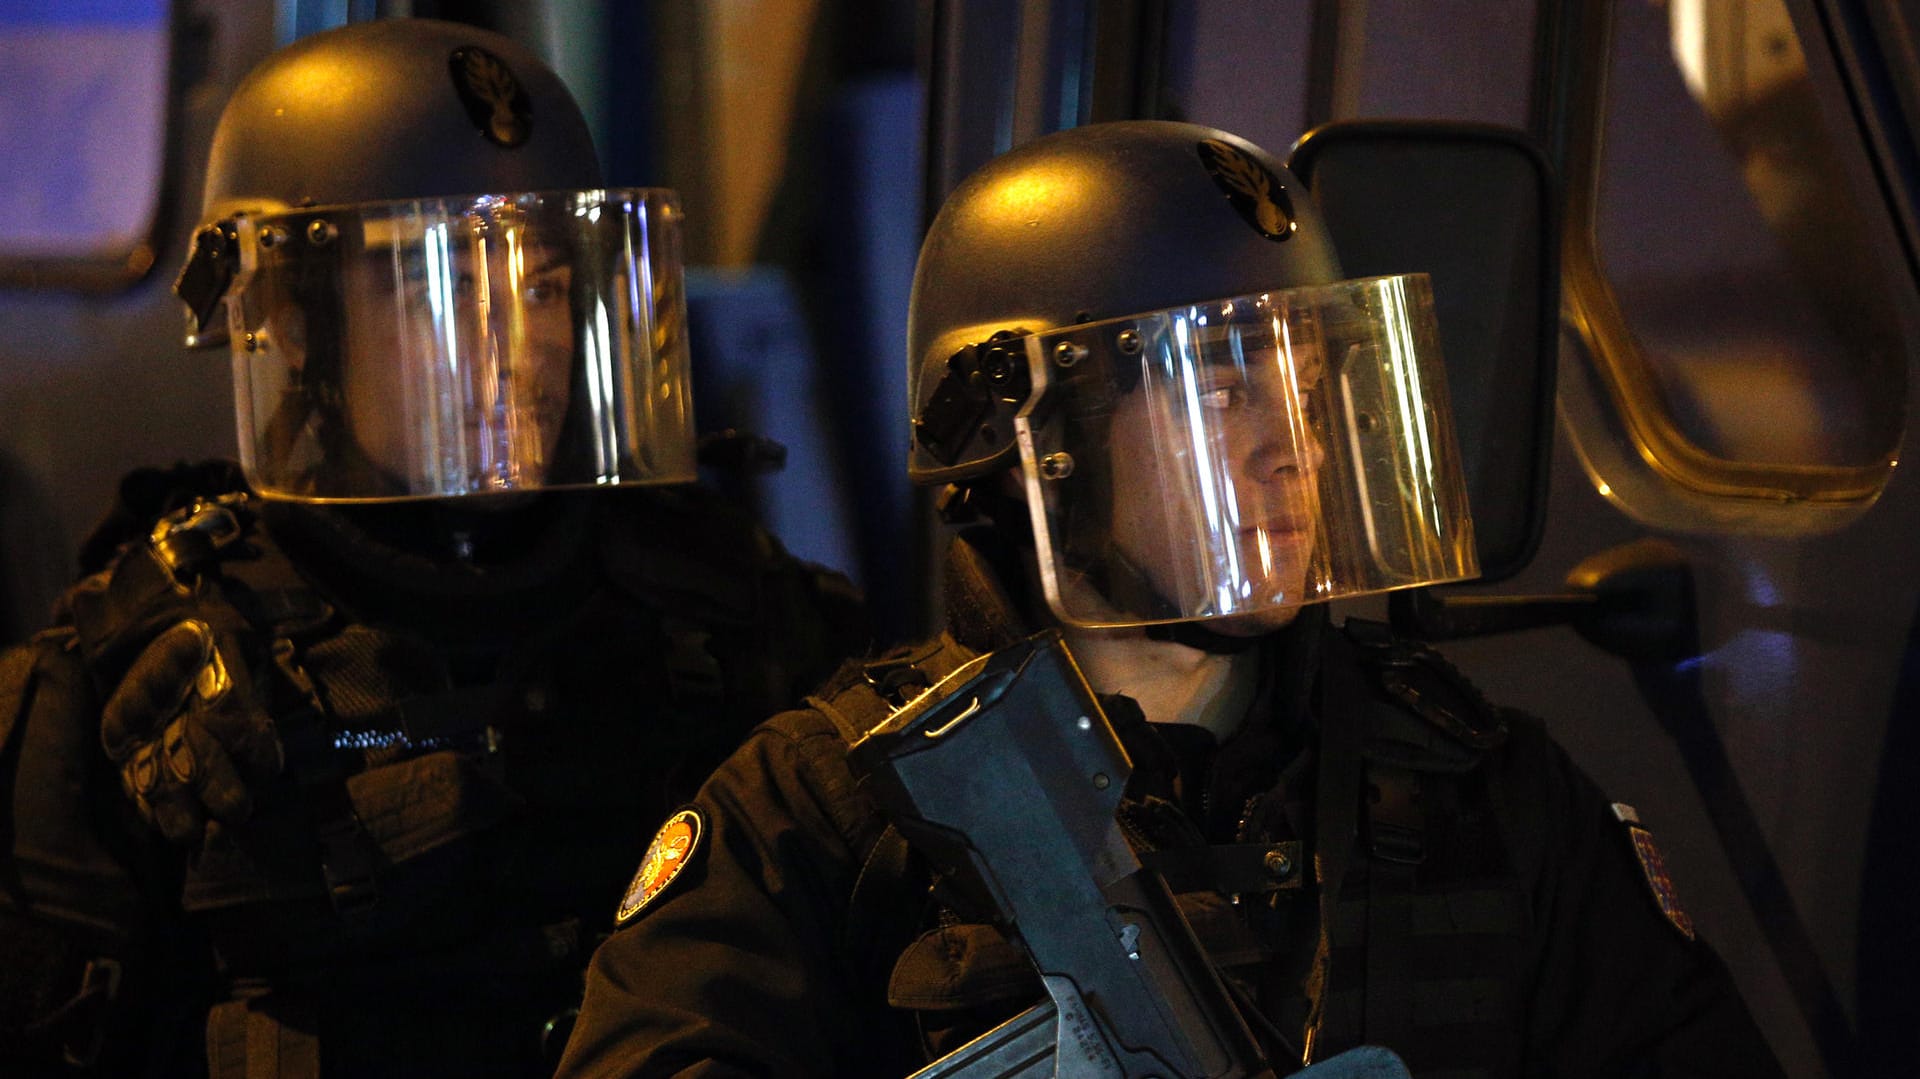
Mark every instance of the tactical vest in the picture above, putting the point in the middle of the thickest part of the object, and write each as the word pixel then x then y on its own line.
pixel 460 795
pixel 1400 921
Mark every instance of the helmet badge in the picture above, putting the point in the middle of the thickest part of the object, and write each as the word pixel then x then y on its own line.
pixel 1252 188
pixel 495 100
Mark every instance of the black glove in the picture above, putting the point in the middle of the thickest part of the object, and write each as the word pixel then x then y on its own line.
pixel 187 733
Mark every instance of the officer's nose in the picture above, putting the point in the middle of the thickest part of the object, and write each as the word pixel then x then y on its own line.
pixel 1278 454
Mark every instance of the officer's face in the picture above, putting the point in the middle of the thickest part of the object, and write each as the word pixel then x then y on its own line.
pixel 1247 426
pixel 501 396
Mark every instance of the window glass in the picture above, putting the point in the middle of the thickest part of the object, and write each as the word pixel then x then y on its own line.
pixel 83 103
pixel 1240 65
pixel 1415 51
pixel 1737 251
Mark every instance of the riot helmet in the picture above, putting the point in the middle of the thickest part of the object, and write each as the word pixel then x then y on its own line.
pixel 426 289
pixel 1214 425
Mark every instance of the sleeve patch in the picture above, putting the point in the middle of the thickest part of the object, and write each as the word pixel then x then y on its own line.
pixel 672 848
pixel 1655 869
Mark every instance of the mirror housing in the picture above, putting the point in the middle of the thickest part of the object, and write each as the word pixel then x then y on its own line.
pixel 1477 208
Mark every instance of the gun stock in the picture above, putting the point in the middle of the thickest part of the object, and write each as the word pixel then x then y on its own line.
pixel 1008 775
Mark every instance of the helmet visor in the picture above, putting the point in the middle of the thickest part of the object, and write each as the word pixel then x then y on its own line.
pixel 1244 456
pixel 497 343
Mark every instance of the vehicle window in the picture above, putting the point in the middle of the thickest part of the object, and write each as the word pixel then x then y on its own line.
pixel 1414 51
pixel 83 117
pixel 1753 343
pixel 1241 67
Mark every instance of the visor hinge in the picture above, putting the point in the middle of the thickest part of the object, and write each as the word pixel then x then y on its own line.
pixel 210 270
pixel 984 385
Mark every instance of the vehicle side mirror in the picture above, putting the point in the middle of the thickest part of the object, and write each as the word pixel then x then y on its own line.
pixel 1475 207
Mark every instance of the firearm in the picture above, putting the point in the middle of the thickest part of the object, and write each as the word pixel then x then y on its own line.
pixel 1007 776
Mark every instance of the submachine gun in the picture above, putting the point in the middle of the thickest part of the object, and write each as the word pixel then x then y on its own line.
pixel 1007 776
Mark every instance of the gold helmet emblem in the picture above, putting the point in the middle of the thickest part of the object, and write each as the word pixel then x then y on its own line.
pixel 1252 189
pixel 494 99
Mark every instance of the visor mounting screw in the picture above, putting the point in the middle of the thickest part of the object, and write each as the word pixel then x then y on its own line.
pixel 1066 353
pixel 1278 864
pixel 1057 466
pixel 320 232
pixel 1100 781
pixel 273 237
pixel 1129 341
pixel 995 365
pixel 251 342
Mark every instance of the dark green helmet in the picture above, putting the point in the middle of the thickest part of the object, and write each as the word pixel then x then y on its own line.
pixel 1211 424
pixel 396 109
pixel 1083 225
pixel 426 289
pixel 377 111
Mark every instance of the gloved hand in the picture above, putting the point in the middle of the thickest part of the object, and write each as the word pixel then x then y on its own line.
pixel 187 734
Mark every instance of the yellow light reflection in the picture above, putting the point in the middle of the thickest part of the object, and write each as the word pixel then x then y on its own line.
pixel 1028 195
pixel 1210 475
pixel 1404 364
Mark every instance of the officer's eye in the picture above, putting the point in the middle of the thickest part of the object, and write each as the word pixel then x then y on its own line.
pixel 1222 396
pixel 545 288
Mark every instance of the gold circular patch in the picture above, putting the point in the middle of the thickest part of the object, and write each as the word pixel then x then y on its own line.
pixel 671 850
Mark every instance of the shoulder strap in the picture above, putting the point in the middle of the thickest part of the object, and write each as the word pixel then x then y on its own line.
pixel 1336 829
pixel 1399 723
pixel 1435 719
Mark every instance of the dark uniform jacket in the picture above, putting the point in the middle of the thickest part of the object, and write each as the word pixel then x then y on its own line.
pixel 478 741
pixel 1494 918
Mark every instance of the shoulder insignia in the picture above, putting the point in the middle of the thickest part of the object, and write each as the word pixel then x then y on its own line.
pixel 672 848
pixel 1655 869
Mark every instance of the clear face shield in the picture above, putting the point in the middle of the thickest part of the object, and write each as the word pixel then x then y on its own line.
pixel 1236 459
pixel 461 346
